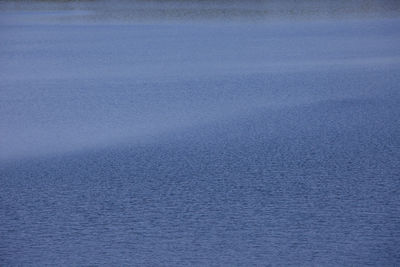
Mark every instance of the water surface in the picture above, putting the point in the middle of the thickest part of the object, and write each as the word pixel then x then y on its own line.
pixel 199 139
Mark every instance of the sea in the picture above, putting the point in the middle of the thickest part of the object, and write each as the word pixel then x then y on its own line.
pixel 200 133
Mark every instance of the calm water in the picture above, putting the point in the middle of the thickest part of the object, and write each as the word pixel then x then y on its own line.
pixel 199 138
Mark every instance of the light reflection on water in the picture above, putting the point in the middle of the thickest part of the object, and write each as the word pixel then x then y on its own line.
pixel 202 143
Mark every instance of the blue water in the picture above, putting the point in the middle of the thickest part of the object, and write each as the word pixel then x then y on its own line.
pixel 198 142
